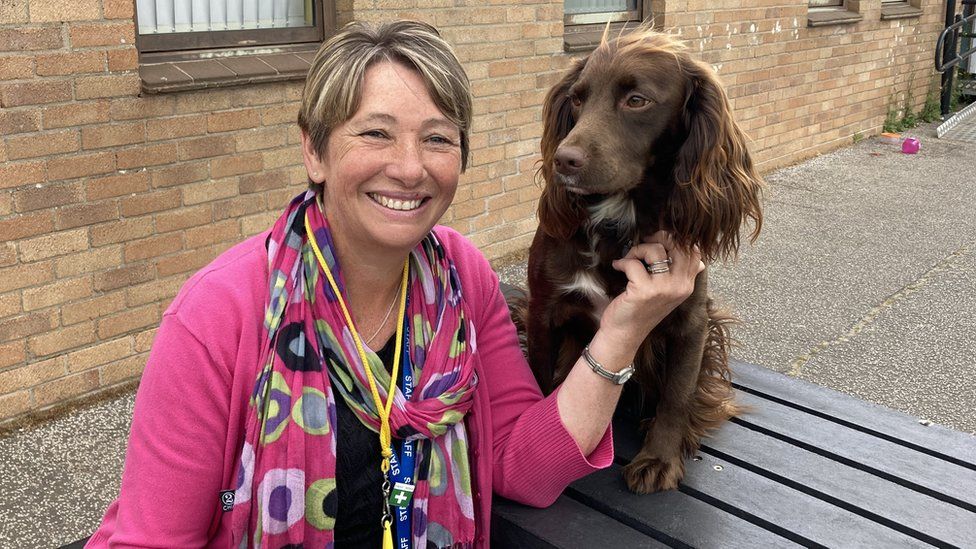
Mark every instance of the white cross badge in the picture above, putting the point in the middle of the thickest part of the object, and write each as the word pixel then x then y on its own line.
pixel 401 494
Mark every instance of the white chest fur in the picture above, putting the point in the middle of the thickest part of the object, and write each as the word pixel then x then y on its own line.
pixel 589 285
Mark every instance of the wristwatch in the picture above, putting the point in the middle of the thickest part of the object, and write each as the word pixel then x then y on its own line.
pixel 617 378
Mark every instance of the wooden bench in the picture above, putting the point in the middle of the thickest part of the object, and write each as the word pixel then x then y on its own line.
pixel 807 466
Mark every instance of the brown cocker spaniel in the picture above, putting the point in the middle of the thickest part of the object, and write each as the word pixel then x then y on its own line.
pixel 639 137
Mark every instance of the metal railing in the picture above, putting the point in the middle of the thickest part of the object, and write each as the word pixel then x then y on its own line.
pixel 947 55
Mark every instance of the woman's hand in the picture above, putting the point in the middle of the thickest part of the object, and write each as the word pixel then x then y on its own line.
pixel 660 276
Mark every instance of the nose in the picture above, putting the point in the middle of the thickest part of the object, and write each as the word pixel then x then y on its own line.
pixel 407 165
pixel 569 160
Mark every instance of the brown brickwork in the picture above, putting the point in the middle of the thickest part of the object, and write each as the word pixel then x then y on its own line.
pixel 111 198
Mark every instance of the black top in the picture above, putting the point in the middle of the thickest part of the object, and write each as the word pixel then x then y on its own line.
pixel 358 476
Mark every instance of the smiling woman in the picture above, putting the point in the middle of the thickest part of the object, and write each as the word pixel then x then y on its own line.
pixel 285 405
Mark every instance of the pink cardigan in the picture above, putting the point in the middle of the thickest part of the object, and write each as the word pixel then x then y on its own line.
pixel 188 424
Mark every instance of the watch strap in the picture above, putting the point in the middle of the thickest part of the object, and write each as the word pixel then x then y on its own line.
pixel 617 378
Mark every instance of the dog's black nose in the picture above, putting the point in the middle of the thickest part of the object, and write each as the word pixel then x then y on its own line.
pixel 569 160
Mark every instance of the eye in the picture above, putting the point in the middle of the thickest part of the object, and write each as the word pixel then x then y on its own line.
pixel 440 140
pixel 637 101
pixel 378 134
pixel 575 100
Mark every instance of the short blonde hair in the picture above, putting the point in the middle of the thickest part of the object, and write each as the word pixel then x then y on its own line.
pixel 333 88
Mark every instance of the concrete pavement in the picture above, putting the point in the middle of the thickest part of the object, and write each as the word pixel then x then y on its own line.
pixel 863 280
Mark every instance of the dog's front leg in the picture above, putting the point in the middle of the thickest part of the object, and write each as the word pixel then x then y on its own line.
pixel 659 465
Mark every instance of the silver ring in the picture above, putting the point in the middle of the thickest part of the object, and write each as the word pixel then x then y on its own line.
pixel 659 267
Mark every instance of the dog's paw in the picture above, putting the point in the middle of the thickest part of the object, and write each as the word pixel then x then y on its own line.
pixel 647 474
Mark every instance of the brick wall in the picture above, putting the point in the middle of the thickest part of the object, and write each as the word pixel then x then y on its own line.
pixel 110 199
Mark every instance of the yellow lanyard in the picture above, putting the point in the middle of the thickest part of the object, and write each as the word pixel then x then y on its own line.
pixel 382 409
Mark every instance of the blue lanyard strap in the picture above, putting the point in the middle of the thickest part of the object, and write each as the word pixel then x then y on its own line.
pixel 402 465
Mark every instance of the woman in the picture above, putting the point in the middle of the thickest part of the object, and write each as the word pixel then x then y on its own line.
pixel 256 421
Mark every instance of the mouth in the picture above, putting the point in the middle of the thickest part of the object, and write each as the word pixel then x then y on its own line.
pixel 397 204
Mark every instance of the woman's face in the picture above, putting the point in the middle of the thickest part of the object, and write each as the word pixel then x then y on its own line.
pixel 390 171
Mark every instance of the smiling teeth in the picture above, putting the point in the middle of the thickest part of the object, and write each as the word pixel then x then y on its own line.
pixel 402 205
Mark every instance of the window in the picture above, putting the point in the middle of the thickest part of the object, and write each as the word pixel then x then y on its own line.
pixel 580 12
pixel 171 25
pixel 826 3
pixel 585 20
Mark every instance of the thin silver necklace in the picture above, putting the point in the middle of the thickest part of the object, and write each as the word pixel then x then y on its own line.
pixel 369 340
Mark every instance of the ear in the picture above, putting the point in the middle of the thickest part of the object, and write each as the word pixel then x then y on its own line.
pixel 314 164
pixel 716 186
pixel 559 213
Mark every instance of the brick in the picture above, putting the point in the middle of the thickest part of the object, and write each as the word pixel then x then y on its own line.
pixel 10 304
pixel 122 276
pixel 6 203
pixel 184 218
pixel 13 11
pixel 114 135
pixel 144 340
pixel 124 59
pixel 185 262
pixel 179 174
pixel 204 147
pixel 76 62
pixel 30 39
pixel 148 155
pixel 279 158
pixel 88 261
pixel 15 404
pixel 119 184
pixel 235 165
pixel 123 370
pixel 47 196
pixel 61 339
pixel 280 114
pixel 62 243
pixel 16 327
pixel 23 276
pixel 209 191
pixel 25 225
pixel 238 206
pixel 42 144
pixel 91 309
pixel 155 201
pixel 128 321
pixel 8 254
pixel 179 126
pixel 21 173
pixel 233 120
pixel 16 67
pixel 121 230
pixel 75 114
pixel 118 9
pixel 99 354
pixel 264 181
pixel 254 140
pixel 153 246
pixel 60 390
pixel 86 35
pixel 146 108
pixel 93 87
pixel 46 11
pixel 34 93
pixel 223 231
pixel 82 215
pixel 13 122
pixel 13 352
pixel 30 375
pixel 81 165
pixel 253 224
pixel 59 292
pixel 153 291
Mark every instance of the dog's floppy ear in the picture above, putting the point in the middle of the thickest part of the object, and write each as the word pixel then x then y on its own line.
pixel 717 187
pixel 559 213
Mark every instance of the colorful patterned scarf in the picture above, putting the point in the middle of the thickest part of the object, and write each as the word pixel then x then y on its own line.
pixel 286 485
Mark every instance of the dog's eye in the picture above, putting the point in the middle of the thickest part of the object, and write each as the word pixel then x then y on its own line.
pixel 636 101
pixel 575 100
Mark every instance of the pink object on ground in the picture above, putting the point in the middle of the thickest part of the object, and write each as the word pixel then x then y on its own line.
pixel 910 146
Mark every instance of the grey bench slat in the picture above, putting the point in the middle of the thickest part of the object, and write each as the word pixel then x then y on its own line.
pixel 921 516
pixel 868 416
pixel 799 513
pixel 687 521
pixel 567 523
pixel 897 463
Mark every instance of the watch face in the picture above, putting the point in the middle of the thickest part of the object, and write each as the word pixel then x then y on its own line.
pixel 624 376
